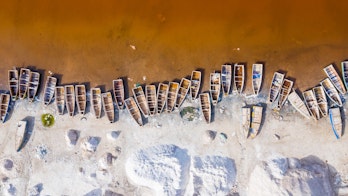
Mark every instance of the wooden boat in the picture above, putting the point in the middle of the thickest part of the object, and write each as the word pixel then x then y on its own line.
pixel 20 135
pixel 108 106
pixel 140 99
pixel 13 83
pixel 118 89
pixel 276 84
pixel 336 121
pixel 81 98
pixel 151 98
pixel 205 106
pixel 256 119
pixel 238 78
pixel 172 95
pixel 70 99
pixel 331 91
pixel 96 102
pixel 134 110
pixel 320 96
pixel 5 101
pixel 162 93
pixel 196 78
pixel 226 78
pixel 344 65
pixel 284 92
pixel 33 85
pixel 183 90
pixel 49 89
pixel 23 82
pixel 60 99
pixel 312 104
pixel 215 86
pixel 246 120
pixel 257 74
pixel 335 78
pixel 298 104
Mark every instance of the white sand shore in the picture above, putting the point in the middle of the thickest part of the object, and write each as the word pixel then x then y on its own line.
pixel 72 170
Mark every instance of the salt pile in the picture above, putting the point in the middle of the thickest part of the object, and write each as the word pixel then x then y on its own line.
pixel 290 176
pixel 91 143
pixel 71 137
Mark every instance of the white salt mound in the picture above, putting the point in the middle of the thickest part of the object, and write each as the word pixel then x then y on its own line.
pixel 113 135
pixel 290 176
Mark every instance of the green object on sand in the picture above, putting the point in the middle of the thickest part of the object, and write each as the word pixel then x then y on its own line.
pixel 47 120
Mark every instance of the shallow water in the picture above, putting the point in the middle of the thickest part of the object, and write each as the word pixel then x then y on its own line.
pixel 92 42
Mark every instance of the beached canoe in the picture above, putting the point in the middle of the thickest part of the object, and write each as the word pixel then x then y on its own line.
pixel 23 82
pixel 34 81
pixel 162 93
pixel 151 98
pixel 13 83
pixel 5 101
pixel 226 78
pixel 196 78
pixel 331 91
pixel 60 99
pixel 320 95
pixel 277 82
pixel 344 65
pixel 81 98
pixel 70 99
pixel 335 78
pixel 183 90
pixel 239 77
pixel 256 119
pixel 205 106
pixel 140 99
pixel 312 104
pixel 134 110
pixel 215 87
pixel 298 104
pixel 257 74
pixel 108 106
pixel 284 92
pixel 50 86
pixel 172 95
pixel 246 114
pixel 20 135
pixel 336 121
pixel 96 102
pixel 118 89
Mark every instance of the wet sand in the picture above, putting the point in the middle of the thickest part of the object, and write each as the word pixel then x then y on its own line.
pixel 90 42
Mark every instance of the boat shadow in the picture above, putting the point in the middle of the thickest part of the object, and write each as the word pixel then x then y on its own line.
pixel 264 114
pixel 28 131
pixel 343 119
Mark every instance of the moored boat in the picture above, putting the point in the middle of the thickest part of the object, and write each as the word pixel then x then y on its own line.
pixel 311 104
pixel 336 121
pixel 33 85
pixel 23 82
pixel 108 106
pixel 162 93
pixel 215 87
pixel 172 95
pixel 13 83
pixel 226 78
pixel 238 78
pixel 151 98
pixel 284 92
pixel 246 111
pixel 335 78
pixel 81 98
pixel 205 106
pixel 5 101
pixel 96 102
pixel 118 89
pixel 49 89
pixel 276 84
pixel 60 99
pixel 320 95
pixel 196 78
pixel 344 65
pixel 70 99
pixel 183 90
pixel 20 134
pixel 298 104
pixel 331 91
pixel 134 110
pixel 140 99
pixel 256 119
pixel 257 74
